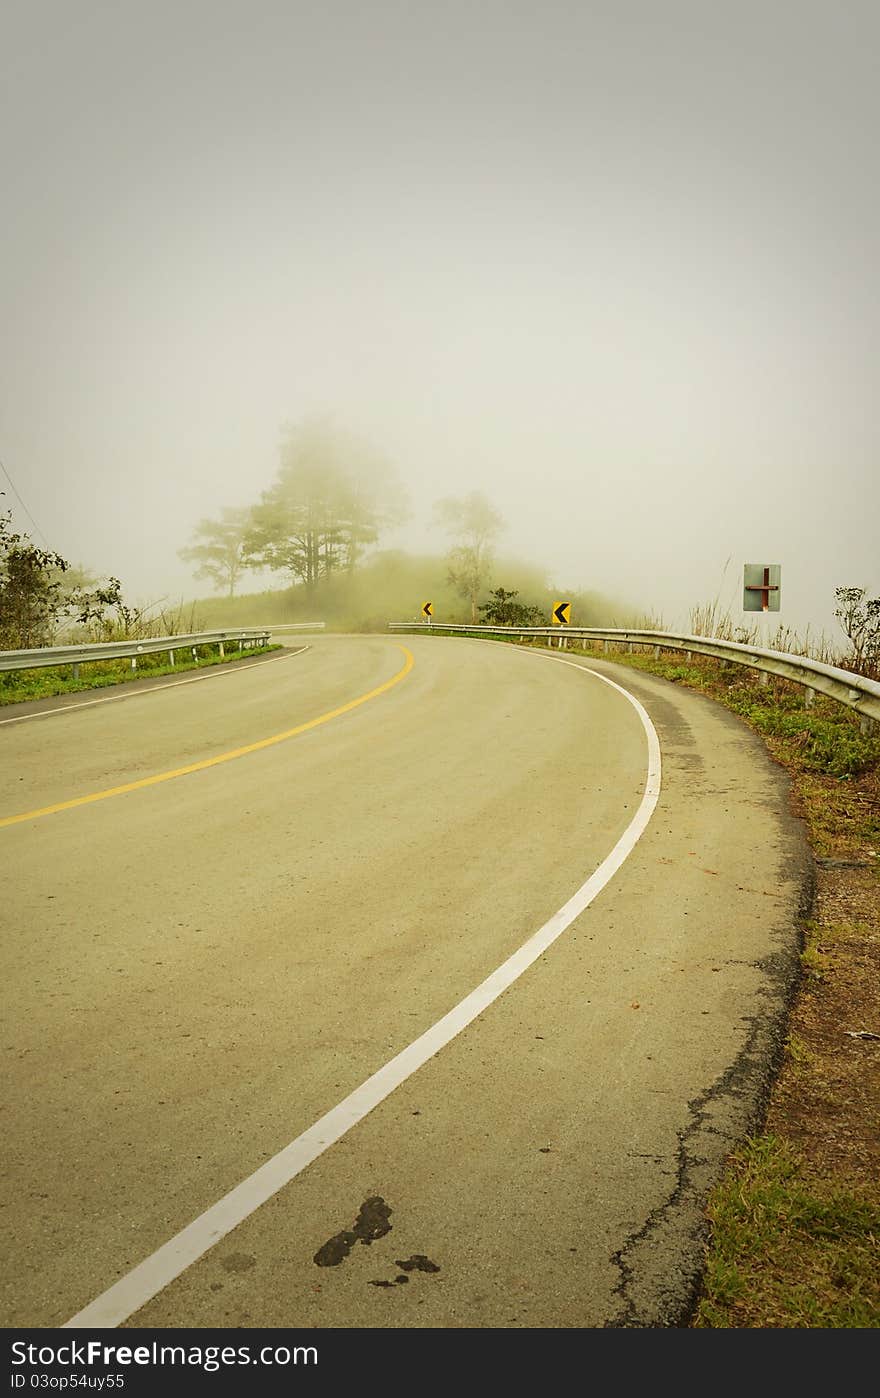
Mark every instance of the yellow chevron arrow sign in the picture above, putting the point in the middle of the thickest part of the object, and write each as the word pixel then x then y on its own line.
pixel 561 613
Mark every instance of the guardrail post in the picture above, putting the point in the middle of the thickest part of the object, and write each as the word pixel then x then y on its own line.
pixel 764 677
pixel 134 662
pixel 171 657
pixel 222 651
pixel 809 698
pixel 76 672
pixel 656 652
pixel 606 646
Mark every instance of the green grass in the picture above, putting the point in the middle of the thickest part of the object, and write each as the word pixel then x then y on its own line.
pixel 789 1251
pixel 18 686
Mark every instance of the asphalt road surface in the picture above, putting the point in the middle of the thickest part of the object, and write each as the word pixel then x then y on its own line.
pixel 286 874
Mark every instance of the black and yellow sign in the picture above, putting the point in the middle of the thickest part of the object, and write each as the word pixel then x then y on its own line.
pixel 428 610
pixel 561 613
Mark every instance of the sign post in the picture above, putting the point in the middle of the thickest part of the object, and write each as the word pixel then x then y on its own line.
pixel 762 592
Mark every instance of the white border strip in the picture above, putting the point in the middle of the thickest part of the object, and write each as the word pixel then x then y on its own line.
pixel 152 1275
pixel 214 673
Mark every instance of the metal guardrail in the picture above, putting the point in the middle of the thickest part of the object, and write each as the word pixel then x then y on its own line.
pixel 40 658
pixel 856 691
pixel 45 656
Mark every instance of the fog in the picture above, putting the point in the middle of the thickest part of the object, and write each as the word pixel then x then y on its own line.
pixel 613 264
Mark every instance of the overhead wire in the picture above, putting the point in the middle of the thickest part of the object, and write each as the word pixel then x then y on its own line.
pixel 17 495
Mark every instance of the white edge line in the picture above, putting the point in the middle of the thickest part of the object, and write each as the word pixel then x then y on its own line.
pixel 215 674
pixel 151 1276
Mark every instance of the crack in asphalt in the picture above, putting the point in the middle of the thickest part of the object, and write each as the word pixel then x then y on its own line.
pixel 742 1093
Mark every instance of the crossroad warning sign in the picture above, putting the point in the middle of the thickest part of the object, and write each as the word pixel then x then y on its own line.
pixel 761 587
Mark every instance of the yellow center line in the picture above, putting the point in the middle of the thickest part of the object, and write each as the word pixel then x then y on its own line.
pixel 222 757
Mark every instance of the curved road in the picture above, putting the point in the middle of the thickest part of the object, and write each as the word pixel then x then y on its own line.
pixel 295 869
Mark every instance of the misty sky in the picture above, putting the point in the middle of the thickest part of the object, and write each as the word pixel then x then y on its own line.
pixel 616 264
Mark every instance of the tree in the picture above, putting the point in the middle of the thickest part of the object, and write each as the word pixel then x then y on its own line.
pixel 89 608
pixel 328 504
pixel 475 524
pixel 30 589
pixel 501 610
pixel 220 553
pixel 859 615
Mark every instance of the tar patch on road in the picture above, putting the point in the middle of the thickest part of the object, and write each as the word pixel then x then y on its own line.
pixel 370 1224
pixel 418 1263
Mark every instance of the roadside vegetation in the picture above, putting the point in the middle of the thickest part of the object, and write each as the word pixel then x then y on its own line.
pixel 45 601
